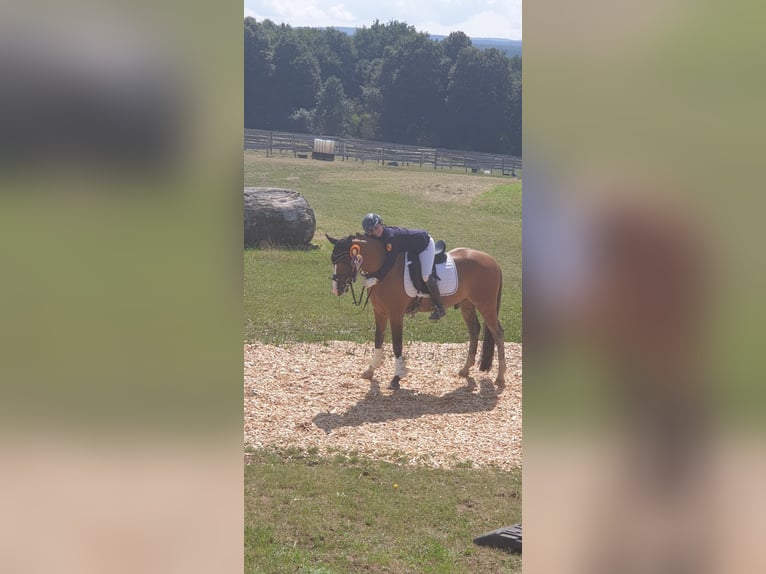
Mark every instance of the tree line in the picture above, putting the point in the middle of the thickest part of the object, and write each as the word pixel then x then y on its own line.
pixel 387 83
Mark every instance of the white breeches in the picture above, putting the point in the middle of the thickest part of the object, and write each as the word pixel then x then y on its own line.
pixel 427 259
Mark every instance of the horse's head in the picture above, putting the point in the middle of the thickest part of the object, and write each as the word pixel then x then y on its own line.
pixel 346 261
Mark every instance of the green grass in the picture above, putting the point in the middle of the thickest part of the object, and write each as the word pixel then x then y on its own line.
pixel 499 201
pixel 287 294
pixel 304 513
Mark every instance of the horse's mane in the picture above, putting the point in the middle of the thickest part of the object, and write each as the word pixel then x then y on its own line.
pixel 351 237
pixel 357 235
pixel 370 239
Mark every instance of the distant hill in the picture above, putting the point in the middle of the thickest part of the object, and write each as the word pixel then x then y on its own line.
pixel 510 47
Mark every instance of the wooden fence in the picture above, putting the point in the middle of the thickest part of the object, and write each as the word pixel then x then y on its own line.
pixel 346 149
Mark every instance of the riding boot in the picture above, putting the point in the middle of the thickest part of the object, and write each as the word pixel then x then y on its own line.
pixel 436 299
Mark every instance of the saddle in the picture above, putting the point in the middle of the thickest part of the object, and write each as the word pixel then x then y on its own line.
pixel 440 256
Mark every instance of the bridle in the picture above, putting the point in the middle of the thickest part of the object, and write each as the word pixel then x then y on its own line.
pixel 348 279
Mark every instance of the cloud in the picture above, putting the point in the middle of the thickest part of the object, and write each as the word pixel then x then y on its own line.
pixel 301 13
pixel 477 18
pixel 341 14
pixel 485 24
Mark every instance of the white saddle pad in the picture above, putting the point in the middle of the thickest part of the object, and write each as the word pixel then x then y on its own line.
pixel 446 271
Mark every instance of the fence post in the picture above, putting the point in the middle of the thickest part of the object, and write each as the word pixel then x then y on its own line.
pixel 436 158
pixel 270 151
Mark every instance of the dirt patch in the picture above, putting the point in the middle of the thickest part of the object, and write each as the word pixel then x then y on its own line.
pixel 453 187
pixel 312 396
pixel 447 187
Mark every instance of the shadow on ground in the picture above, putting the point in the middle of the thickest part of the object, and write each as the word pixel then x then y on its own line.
pixel 405 403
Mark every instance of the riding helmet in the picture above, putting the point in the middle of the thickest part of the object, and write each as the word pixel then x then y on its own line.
pixel 370 220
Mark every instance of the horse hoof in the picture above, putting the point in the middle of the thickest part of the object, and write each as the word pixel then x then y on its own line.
pixel 500 381
pixel 367 374
pixel 463 373
pixel 394 384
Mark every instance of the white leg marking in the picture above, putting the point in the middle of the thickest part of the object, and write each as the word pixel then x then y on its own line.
pixel 400 370
pixel 377 358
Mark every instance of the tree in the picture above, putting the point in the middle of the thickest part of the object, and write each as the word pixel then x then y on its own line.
pixel 514 108
pixel 332 113
pixel 258 71
pixel 477 101
pixel 295 80
pixel 370 43
pixel 413 97
pixel 365 113
pixel 336 56
pixel 454 44
pixel 496 88
pixel 462 105
pixel 386 82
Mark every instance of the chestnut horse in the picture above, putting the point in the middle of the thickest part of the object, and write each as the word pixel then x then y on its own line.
pixel 480 283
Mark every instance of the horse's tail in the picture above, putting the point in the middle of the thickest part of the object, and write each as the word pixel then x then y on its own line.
pixel 488 346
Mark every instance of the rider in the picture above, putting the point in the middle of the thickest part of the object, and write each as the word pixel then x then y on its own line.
pixel 400 240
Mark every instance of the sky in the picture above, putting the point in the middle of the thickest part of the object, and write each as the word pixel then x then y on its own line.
pixel 477 18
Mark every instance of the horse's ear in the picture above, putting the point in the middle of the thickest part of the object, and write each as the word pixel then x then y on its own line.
pixel 331 239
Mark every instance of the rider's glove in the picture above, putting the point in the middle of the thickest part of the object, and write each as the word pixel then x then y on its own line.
pixel 370 282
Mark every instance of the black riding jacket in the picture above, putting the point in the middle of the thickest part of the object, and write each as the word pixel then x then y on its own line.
pixel 400 240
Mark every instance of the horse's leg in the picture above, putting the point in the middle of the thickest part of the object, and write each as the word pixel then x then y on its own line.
pixel 500 379
pixel 472 322
pixel 492 323
pixel 380 334
pixel 397 326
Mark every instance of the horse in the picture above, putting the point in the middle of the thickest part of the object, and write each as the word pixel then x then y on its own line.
pixel 480 283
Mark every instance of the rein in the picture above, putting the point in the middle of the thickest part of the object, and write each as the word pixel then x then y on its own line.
pixel 361 296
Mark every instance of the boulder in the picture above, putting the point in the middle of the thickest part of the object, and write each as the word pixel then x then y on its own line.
pixel 277 216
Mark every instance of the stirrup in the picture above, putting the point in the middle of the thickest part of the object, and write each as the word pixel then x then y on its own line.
pixel 437 314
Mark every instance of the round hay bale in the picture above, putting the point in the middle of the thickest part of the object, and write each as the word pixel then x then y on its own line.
pixel 277 216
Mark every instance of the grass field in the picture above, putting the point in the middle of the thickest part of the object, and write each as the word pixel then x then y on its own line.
pixel 312 515
pixel 287 294
pixel 348 514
